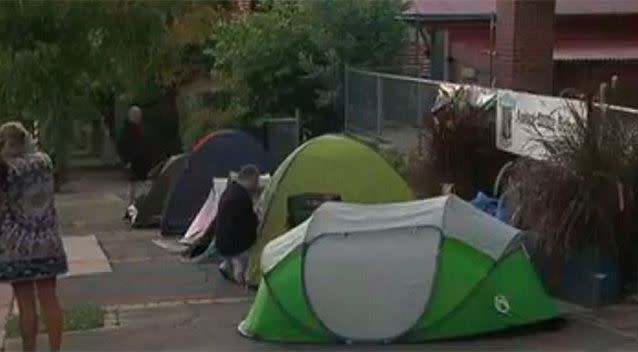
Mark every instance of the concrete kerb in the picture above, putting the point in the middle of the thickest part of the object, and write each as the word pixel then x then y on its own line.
pixel 177 303
pixel 112 313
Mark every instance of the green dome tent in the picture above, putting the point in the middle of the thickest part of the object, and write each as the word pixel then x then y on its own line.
pixel 334 165
pixel 405 272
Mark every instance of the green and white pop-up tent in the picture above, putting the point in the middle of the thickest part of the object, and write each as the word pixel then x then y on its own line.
pixel 404 272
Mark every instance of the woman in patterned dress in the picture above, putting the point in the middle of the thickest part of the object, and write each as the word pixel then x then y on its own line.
pixel 31 250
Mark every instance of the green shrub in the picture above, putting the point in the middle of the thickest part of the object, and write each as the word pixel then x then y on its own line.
pixel 397 160
pixel 458 147
pixel 392 156
pixel 199 123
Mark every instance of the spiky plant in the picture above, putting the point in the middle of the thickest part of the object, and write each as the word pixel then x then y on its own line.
pixel 459 146
pixel 583 194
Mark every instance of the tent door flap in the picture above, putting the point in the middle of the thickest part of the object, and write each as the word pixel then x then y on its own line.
pixel 371 286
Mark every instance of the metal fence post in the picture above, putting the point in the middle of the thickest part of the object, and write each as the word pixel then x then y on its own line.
pixel 297 127
pixel 419 105
pixel 379 104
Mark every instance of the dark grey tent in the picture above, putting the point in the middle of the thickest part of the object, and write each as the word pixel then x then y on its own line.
pixel 215 155
pixel 149 207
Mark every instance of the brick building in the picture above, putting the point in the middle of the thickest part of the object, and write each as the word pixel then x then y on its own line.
pixel 490 41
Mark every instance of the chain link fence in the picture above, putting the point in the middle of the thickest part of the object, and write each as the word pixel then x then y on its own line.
pixel 388 108
pixel 393 108
pixel 377 103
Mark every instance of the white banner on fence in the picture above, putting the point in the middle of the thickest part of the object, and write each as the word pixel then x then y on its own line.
pixel 523 120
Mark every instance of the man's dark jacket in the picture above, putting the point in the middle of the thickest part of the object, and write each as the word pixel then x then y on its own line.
pixel 132 149
pixel 235 226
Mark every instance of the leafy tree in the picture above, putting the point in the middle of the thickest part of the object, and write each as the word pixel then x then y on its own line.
pixel 361 33
pixel 177 58
pixel 180 60
pixel 188 34
pixel 58 58
pixel 68 61
pixel 291 54
pixel 258 60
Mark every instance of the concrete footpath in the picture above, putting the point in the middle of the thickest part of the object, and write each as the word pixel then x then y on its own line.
pixel 153 301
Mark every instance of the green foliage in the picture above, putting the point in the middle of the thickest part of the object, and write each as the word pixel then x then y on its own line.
pixel 65 62
pixel 258 59
pixel 398 160
pixel 187 37
pixel 61 60
pixel 354 32
pixel 199 123
pixel 290 54
pixel 59 57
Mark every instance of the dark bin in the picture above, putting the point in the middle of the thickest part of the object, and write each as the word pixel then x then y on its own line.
pixel 585 277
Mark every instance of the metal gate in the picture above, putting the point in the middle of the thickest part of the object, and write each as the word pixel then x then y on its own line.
pixel 282 137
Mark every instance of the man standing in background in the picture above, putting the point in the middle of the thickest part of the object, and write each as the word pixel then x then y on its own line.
pixel 134 152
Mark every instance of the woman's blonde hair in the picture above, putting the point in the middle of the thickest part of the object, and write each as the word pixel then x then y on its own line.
pixel 15 140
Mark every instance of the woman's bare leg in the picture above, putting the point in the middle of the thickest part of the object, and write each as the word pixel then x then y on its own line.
pixel 52 312
pixel 25 295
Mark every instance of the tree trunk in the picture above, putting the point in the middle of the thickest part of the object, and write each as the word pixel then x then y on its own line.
pixel 96 138
pixel 105 104
pixel 108 114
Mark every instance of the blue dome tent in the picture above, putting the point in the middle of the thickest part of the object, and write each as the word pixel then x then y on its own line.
pixel 215 155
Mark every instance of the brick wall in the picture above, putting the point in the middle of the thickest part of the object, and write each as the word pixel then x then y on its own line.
pixel 524 45
pixel 414 60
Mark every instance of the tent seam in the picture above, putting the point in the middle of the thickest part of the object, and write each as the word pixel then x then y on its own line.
pixel 428 306
pixel 285 312
pixel 268 206
pixel 478 285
